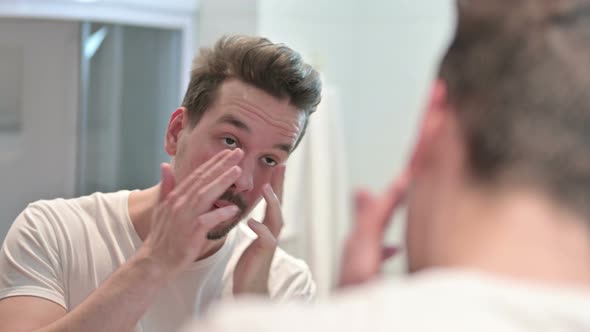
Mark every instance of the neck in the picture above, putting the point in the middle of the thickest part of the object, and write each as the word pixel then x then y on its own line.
pixel 518 234
pixel 141 205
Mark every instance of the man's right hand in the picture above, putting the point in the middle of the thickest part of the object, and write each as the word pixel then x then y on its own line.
pixel 183 215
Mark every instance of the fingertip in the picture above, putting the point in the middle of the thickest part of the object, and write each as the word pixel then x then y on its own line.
pixel 237 153
pixel 232 210
pixel 165 167
pixel 264 234
pixel 361 196
pixel 167 180
pixel 165 171
pixel 252 222
pixel 255 226
pixel 403 182
pixel 236 169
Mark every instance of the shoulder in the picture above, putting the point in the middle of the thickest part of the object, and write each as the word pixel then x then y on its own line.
pixel 83 209
pixel 89 204
pixel 56 220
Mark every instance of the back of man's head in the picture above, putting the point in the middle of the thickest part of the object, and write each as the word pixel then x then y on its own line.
pixel 518 76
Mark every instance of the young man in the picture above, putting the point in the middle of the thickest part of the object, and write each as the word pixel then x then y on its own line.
pixel 497 191
pixel 146 260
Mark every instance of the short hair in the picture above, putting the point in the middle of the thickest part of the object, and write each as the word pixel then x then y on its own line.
pixel 518 76
pixel 274 68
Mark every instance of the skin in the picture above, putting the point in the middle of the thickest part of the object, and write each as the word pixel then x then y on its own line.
pixel 507 229
pixel 239 146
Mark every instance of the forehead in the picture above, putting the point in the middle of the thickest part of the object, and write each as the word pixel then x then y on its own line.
pixel 257 109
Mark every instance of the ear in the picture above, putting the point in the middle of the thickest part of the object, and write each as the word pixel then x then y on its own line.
pixel 178 122
pixel 431 127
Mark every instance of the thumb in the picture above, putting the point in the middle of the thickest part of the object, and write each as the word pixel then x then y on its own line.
pixel 167 181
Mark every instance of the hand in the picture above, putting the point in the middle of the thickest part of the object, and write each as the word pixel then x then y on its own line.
pixel 364 252
pixel 253 268
pixel 182 216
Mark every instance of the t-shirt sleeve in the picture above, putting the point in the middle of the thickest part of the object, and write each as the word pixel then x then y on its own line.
pixel 291 280
pixel 30 263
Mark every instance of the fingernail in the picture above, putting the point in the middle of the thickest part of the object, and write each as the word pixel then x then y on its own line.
pixel 267 189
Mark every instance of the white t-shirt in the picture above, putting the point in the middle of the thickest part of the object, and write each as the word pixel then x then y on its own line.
pixel 62 250
pixel 433 301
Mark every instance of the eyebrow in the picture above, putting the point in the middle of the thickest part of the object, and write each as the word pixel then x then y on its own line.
pixel 232 120
pixel 285 147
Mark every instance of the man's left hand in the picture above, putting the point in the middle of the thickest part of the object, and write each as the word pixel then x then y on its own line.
pixel 252 270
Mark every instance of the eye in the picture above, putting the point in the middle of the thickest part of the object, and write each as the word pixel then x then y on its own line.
pixel 269 161
pixel 230 142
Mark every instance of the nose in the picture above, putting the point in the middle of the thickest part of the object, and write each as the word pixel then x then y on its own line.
pixel 246 180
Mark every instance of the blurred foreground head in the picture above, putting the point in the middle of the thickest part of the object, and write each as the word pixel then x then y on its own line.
pixel 508 115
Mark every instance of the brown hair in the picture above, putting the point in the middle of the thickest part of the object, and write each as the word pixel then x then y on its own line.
pixel 518 76
pixel 273 68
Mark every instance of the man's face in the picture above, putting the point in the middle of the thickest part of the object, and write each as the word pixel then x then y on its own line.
pixel 245 117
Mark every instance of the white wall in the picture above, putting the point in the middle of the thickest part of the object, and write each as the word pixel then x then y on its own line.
pixel 216 18
pixel 380 54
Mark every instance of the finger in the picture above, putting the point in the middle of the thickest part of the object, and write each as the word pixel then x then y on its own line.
pixel 278 180
pixel 365 212
pixel 265 237
pixel 273 217
pixel 211 219
pixel 199 171
pixel 205 196
pixel 167 181
pixel 209 170
pixel 391 200
pixel 214 170
pixel 389 252
pixel 362 200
